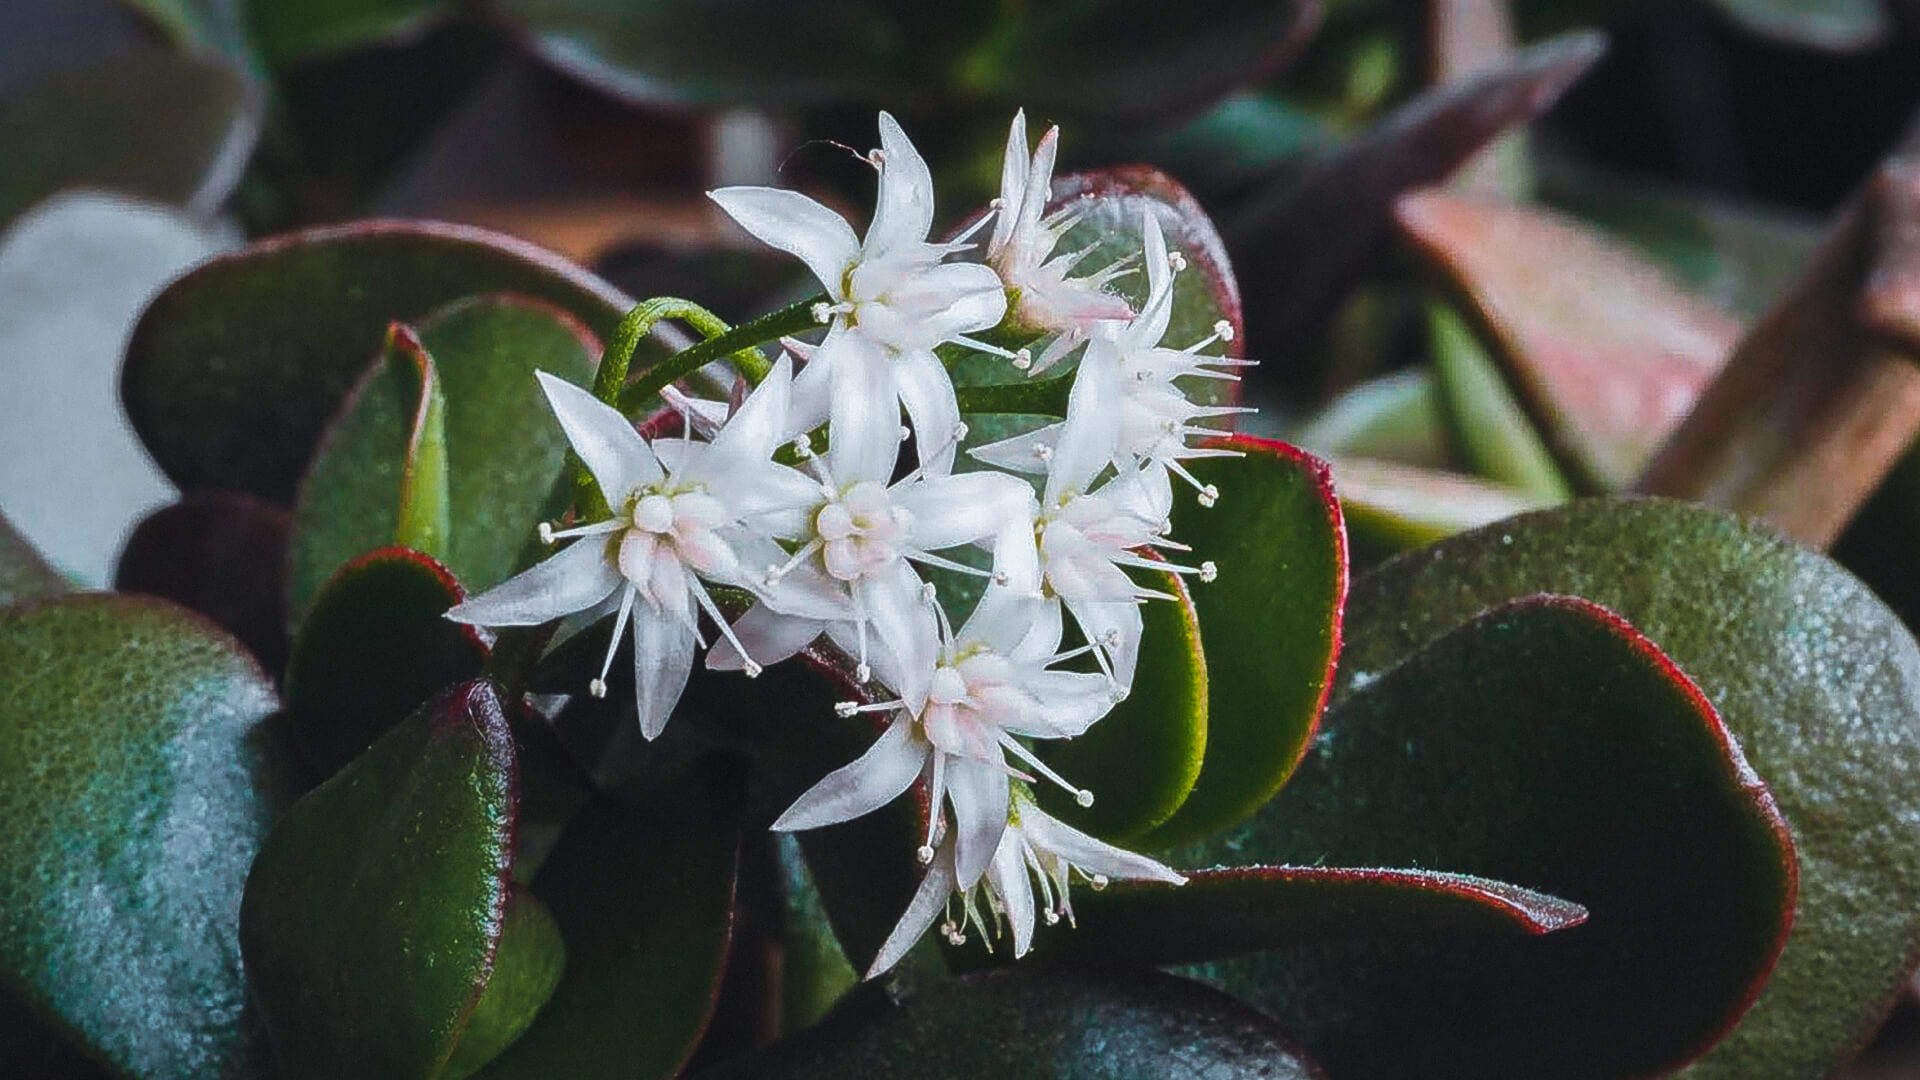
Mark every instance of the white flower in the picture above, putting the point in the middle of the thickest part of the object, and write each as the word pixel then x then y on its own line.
pixel 1022 250
pixel 680 515
pixel 891 293
pixel 990 684
pixel 1152 417
pixel 1036 849
pixel 856 535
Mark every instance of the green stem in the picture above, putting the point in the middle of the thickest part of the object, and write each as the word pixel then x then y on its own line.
pixel 735 342
pixel 1042 397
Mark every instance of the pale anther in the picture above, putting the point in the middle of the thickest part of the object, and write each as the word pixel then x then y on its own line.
pixel 1209 495
pixel 803 445
pixel 1023 359
pixel 822 312
pixel 924 854
pixel 1177 261
pixel 1224 329
pixel 929 592
pixel 1209 571
pixel 1043 452
pixel 546 533
pixel 1083 797
pixel 1098 881
pixel 905 432
pixel 752 669
pixel 846 710
pixel 598 688
pixel 1053 917
pixel 1000 577
pixel 863 672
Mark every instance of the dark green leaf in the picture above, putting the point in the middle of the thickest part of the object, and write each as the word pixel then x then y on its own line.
pixel 166 126
pixel 643 894
pixel 1036 1025
pixel 1341 209
pixel 1397 418
pixel 1231 912
pixel 222 554
pixel 1814 676
pixel 814 971
pixel 373 912
pixel 1141 759
pixel 1548 744
pixel 137 777
pixel 1133 58
pixel 291 30
pixel 504 449
pixel 1605 351
pixel 235 368
pixel 373 648
pixel 424 504
pixel 1392 508
pixel 526 969
pixel 1837 25
pixel 24 575
pixel 1270 625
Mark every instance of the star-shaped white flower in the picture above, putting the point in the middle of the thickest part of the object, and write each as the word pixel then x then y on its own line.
pixel 855 537
pixel 891 292
pixel 991 683
pixel 680 515
pixel 1036 849
pixel 1152 416
pixel 1046 299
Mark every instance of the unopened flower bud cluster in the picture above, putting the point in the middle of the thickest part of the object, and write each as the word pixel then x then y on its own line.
pixel 833 544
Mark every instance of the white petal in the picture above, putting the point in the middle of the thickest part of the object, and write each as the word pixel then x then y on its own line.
pixel 929 900
pixel 1091 433
pixel 1070 703
pixel 1043 637
pixel 1122 619
pixel 576 579
pixel 1013 182
pixel 958 509
pixel 1008 877
pixel 1151 324
pixel 874 779
pixel 769 636
pixel 978 793
pixel 905 624
pixel 959 298
pixel 1039 183
pixel 903 213
pixel 614 453
pixel 864 436
pixel 1002 619
pixel 775 500
pixel 662 658
pixel 927 392
pixel 751 434
pixel 812 394
pixel 1090 855
pixel 1021 453
pixel 797 225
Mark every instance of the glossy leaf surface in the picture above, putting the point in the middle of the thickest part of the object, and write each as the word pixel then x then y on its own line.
pixel 375 646
pixel 526 969
pixel 138 775
pixel 504 450
pixel 643 895
pixel 1548 744
pixel 1043 1024
pixel 164 126
pixel 1141 759
pixel 375 908
pixel 1605 350
pixel 1391 508
pixel 1271 624
pixel 1814 676
pixel 235 368
pixel 223 555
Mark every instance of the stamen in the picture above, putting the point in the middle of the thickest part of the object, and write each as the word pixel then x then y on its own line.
pixel 548 534
pixel 775 573
pixel 1098 881
pixel 1176 261
pixel 1209 572
pixel 598 687
pixel 1223 330
pixel 1080 795
pixel 1043 451
pixel 1209 495
pixel 846 710
pixel 803 445
pixel 948 564
pixel 905 433
pixel 924 854
pixel 712 609
pixel 1023 358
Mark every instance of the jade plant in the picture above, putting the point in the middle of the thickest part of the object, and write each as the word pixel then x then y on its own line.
pixel 943 670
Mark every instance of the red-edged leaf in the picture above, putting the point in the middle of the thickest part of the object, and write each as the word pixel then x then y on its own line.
pixel 222 554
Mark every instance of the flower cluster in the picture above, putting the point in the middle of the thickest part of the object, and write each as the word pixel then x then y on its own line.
pixel 831 545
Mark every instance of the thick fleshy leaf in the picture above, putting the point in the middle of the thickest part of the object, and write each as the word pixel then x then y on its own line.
pixel 1141 759
pixel 1492 431
pixel 814 972
pixel 1820 399
pixel 24 575
pixel 1271 624
pixel 1549 744
pixel 526 970
pixel 425 509
pixel 373 913
pixel 504 450
pixel 1341 209
pixel 235 368
pixel 138 774
pixel 222 554
pixel 74 273
pixel 1836 25
pixel 1397 418
pixel 214 26
pixel 1606 352
pixel 1134 58
pixel 292 30
pixel 1031 1022
pixel 1392 508
pixel 1815 677
pixel 375 646
pixel 160 125
pixel 643 895
pixel 1230 912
